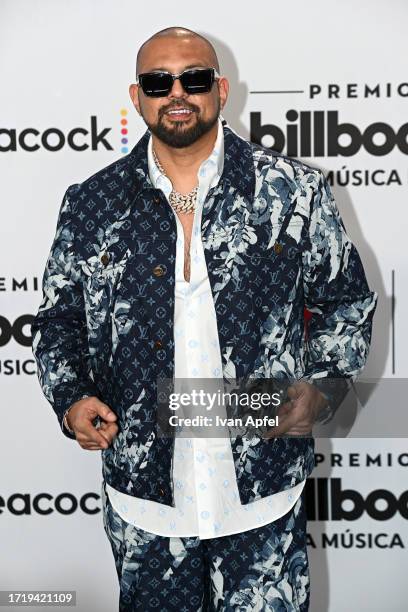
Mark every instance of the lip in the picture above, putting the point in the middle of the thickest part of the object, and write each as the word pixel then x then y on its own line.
pixel 181 116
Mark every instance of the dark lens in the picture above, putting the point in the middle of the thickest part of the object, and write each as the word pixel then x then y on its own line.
pixel 156 84
pixel 197 81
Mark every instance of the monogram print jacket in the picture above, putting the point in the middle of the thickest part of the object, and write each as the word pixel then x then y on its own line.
pixel 274 244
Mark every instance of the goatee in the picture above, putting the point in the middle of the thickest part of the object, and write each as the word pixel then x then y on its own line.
pixel 179 136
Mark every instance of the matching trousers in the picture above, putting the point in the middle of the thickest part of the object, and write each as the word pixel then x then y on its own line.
pixel 263 569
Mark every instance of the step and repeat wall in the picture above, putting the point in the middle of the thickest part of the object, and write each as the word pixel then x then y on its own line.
pixel 322 81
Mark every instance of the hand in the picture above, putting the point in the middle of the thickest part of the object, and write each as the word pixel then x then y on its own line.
pixel 298 416
pixel 80 419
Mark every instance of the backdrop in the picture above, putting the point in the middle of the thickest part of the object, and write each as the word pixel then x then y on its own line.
pixel 323 81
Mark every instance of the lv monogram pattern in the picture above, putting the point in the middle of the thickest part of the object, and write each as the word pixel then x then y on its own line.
pixel 205 493
pixel 274 244
pixel 264 569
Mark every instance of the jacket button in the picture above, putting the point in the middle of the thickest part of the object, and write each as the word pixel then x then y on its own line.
pixel 105 259
pixel 277 247
pixel 158 344
pixel 158 271
pixel 161 491
pixel 156 200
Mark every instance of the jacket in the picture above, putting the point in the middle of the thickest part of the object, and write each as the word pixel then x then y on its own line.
pixel 274 244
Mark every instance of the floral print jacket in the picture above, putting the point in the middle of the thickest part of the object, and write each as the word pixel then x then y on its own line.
pixel 274 244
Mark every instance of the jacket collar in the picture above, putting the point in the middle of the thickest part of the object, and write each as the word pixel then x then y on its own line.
pixel 238 171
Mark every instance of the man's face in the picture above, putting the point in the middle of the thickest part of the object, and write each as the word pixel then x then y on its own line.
pixel 175 55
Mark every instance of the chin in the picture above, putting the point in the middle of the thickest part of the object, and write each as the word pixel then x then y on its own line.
pixel 172 122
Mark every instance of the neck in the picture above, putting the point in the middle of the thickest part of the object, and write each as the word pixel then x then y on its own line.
pixel 185 162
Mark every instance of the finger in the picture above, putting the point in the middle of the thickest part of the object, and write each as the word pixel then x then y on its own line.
pixel 105 436
pixel 105 412
pixel 284 425
pixel 302 427
pixel 88 444
pixel 282 414
pixel 284 409
pixel 91 447
pixel 306 431
pixel 108 435
pixel 294 391
pixel 88 433
pixel 109 426
pixel 109 431
pixel 299 406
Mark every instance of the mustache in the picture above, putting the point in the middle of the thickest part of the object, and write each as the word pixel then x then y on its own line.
pixel 178 103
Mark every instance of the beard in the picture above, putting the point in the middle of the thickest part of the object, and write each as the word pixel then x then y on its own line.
pixel 178 135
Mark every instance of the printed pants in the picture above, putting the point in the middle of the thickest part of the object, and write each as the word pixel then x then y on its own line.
pixel 263 569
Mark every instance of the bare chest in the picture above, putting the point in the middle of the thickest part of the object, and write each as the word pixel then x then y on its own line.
pixel 187 223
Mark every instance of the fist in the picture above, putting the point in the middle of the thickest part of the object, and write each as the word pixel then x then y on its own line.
pixel 80 419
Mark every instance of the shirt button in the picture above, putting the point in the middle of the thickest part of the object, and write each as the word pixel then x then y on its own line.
pixel 105 259
pixel 158 271
pixel 158 344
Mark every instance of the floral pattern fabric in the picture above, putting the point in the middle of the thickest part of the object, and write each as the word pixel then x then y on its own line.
pixel 274 244
pixel 262 570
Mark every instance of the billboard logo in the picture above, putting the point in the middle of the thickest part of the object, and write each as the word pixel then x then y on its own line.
pixel 10 330
pixel 319 134
pixel 325 499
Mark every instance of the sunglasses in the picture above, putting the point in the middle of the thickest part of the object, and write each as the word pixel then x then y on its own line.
pixel 160 83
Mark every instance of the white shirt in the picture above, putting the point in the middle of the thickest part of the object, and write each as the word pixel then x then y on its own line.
pixel 206 497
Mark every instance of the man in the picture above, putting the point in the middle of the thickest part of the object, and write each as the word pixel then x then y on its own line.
pixel 195 256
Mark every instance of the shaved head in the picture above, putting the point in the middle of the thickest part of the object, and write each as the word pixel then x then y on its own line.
pixel 178 34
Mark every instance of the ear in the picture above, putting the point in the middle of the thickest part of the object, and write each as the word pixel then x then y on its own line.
pixel 134 96
pixel 223 88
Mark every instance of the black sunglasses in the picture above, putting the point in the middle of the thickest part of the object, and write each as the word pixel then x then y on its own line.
pixel 194 81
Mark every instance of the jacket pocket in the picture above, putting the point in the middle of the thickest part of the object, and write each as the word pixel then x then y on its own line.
pixel 131 445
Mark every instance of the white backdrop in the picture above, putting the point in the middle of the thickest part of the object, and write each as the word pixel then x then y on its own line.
pixel 65 62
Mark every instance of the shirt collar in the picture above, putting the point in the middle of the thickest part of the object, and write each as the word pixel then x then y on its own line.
pixel 238 171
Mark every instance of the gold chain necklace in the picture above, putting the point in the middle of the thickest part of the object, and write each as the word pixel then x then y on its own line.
pixel 181 202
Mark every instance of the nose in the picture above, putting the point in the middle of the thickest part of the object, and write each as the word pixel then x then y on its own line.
pixel 177 90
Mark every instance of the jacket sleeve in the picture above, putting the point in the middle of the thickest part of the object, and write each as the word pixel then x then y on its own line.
pixel 341 303
pixel 59 334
